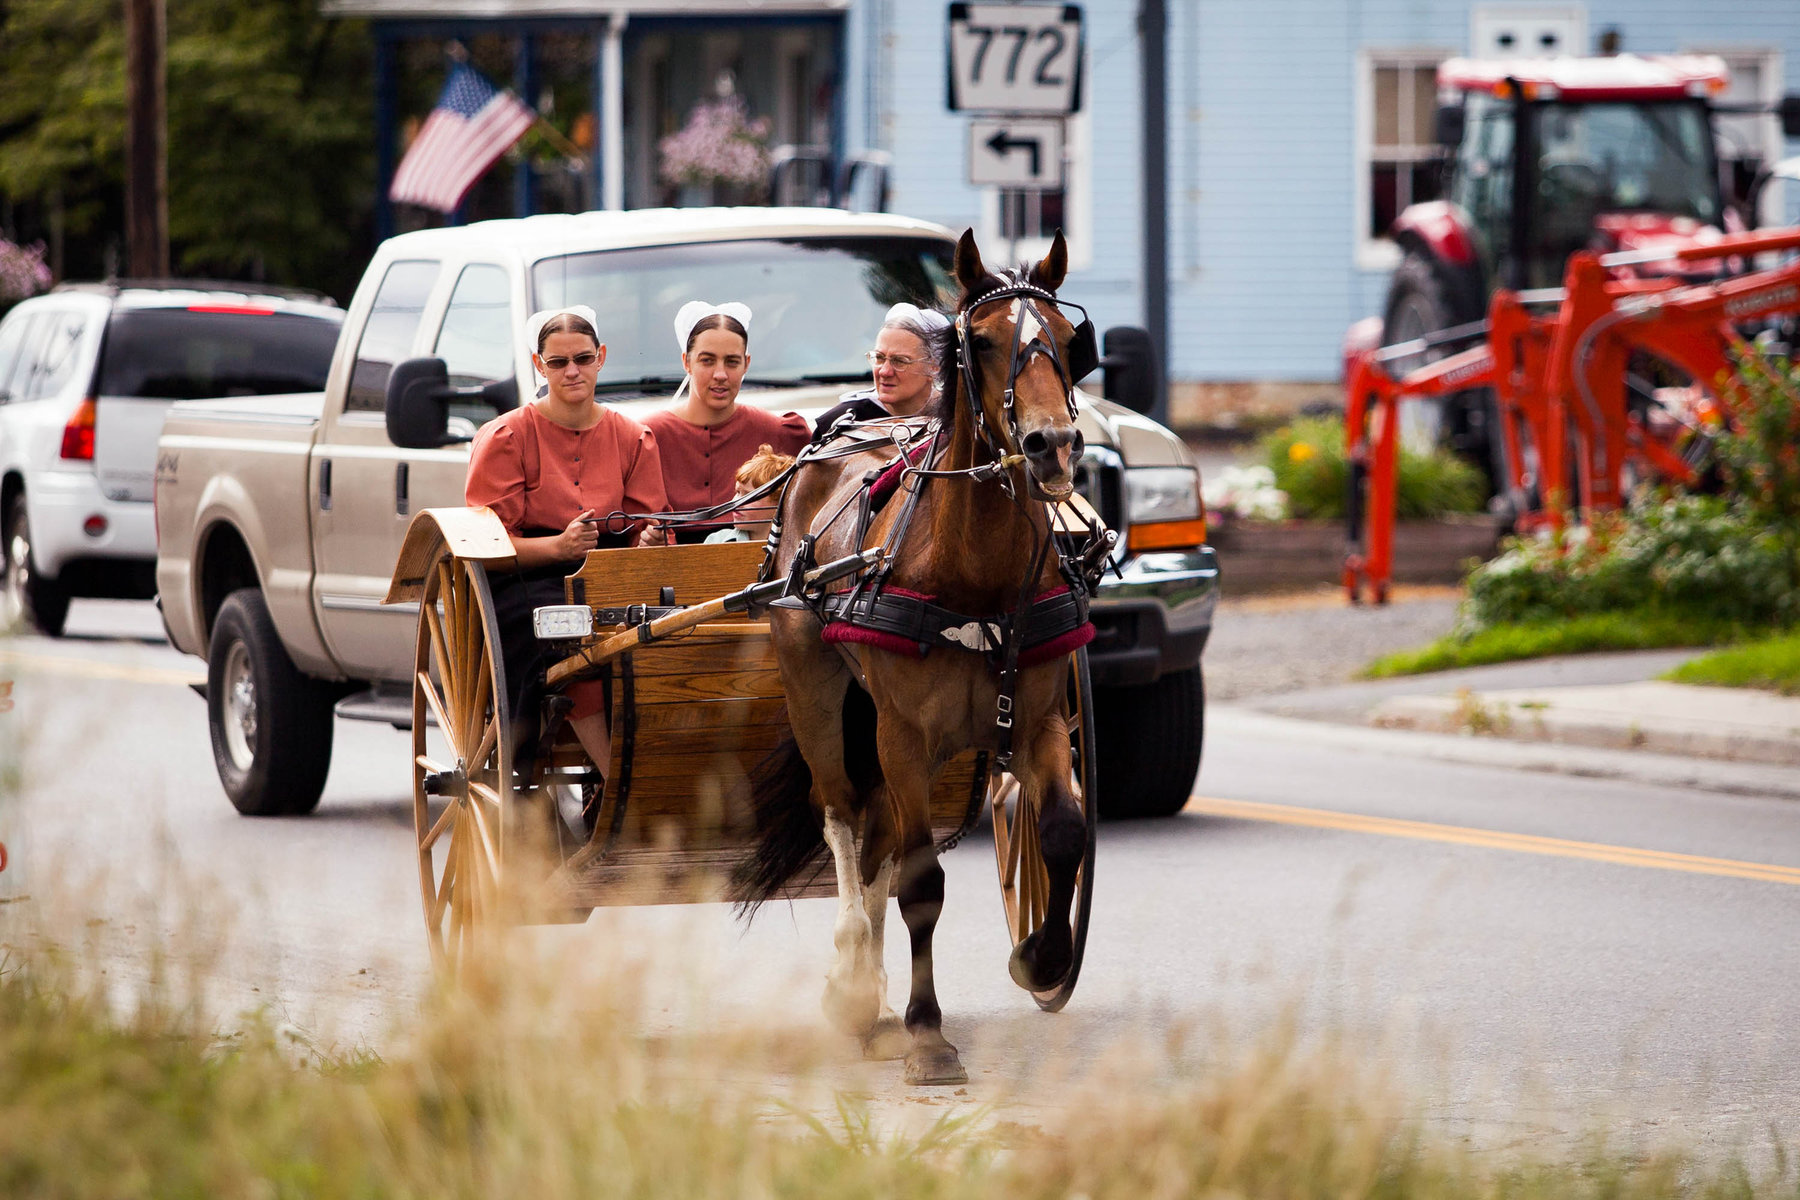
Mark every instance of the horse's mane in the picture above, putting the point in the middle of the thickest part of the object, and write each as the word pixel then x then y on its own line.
pixel 943 341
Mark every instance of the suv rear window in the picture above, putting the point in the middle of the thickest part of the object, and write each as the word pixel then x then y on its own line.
pixel 191 354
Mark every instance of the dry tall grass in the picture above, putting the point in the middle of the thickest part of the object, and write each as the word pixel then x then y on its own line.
pixel 500 1088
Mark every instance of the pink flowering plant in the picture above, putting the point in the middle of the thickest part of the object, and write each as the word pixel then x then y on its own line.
pixel 22 270
pixel 719 144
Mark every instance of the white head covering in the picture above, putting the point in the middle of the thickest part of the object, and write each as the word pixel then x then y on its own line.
pixel 696 311
pixel 534 324
pixel 921 320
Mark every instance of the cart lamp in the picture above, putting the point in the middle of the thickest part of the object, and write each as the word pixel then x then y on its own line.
pixel 557 622
pixel 95 526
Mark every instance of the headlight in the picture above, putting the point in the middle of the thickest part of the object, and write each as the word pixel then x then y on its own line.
pixel 1163 506
pixel 1161 494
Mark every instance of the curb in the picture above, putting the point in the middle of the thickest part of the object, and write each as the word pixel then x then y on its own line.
pixel 1659 718
pixel 1640 766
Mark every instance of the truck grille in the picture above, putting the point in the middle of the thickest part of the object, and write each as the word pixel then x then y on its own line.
pixel 1100 478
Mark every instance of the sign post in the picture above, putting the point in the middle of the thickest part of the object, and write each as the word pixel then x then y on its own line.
pixel 1019 66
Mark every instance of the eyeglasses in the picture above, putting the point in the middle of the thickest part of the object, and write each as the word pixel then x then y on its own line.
pixel 557 362
pixel 899 362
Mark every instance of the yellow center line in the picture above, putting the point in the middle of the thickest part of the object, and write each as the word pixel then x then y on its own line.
pixel 1493 839
pixel 46 664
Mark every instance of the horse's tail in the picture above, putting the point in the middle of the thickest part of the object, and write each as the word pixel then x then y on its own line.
pixel 789 837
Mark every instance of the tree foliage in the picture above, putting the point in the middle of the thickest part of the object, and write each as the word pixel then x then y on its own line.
pixel 270 142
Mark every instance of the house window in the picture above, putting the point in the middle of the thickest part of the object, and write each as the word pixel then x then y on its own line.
pixel 1750 141
pixel 1031 214
pixel 1398 160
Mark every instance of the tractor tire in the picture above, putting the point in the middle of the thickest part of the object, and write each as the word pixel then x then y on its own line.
pixel 1148 743
pixel 30 601
pixel 1421 301
pixel 271 726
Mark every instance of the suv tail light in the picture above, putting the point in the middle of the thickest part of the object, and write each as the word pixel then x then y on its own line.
pixel 78 434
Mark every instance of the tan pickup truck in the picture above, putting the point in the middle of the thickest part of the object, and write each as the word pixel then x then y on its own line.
pixel 279 518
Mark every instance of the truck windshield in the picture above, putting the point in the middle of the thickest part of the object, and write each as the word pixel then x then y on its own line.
pixel 817 302
pixel 205 351
pixel 1628 156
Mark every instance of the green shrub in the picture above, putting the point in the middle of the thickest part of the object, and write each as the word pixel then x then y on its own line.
pixel 1701 554
pixel 1732 558
pixel 1308 460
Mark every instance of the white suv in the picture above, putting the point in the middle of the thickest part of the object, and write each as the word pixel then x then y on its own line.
pixel 86 373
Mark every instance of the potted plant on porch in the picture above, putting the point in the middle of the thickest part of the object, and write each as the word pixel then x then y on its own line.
pixel 720 155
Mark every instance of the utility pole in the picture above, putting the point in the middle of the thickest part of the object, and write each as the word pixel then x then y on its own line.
pixel 146 141
pixel 1153 26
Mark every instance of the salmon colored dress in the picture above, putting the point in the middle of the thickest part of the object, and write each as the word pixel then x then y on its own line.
pixel 536 476
pixel 700 462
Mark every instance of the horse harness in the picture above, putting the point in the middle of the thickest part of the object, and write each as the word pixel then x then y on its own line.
pixel 1040 626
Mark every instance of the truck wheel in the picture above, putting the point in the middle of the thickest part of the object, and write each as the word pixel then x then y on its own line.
pixel 271 726
pixel 1149 744
pixel 29 599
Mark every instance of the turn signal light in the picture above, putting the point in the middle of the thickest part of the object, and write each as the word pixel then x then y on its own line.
pixel 1166 535
pixel 78 434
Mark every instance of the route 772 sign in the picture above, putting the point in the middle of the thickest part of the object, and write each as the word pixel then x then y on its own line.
pixel 1016 152
pixel 1015 58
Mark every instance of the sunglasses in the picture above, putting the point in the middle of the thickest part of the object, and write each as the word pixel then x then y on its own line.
pixel 557 362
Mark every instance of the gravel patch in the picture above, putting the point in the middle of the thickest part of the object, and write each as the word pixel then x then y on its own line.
pixel 1262 645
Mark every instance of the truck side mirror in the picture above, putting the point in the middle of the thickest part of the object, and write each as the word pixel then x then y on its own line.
pixel 1447 125
pixel 1789 108
pixel 1132 375
pixel 418 403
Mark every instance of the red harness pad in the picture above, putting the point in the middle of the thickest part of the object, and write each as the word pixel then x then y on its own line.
pixel 1058 646
pixel 888 482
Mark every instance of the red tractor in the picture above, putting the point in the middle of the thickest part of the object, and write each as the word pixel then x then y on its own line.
pixel 1544 158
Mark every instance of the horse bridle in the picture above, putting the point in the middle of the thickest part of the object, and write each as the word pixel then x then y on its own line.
pixel 1083 355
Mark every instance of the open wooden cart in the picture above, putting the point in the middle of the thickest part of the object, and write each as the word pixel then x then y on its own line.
pixel 697 705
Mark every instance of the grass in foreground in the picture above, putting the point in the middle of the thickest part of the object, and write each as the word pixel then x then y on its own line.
pixel 503 1094
pixel 1646 629
pixel 1772 664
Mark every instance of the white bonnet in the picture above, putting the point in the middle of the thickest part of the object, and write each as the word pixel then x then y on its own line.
pixel 534 324
pixel 696 311
pixel 920 320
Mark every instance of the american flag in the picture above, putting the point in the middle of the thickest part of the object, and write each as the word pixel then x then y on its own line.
pixel 472 125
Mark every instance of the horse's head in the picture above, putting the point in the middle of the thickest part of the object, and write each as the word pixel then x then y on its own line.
pixel 1019 359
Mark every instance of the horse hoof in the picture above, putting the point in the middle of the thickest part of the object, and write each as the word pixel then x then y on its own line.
pixel 887 1040
pixel 935 1066
pixel 1037 967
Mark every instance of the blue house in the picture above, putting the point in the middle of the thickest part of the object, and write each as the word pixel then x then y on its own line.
pixel 1295 130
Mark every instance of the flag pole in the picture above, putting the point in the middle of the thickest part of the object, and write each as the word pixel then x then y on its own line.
pixel 557 139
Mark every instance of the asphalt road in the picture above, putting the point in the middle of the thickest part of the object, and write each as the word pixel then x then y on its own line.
pixel 1532 955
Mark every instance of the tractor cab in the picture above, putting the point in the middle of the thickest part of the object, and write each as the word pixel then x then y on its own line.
pixel 1559 155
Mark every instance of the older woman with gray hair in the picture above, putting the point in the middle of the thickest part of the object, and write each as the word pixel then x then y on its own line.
pixel 905 366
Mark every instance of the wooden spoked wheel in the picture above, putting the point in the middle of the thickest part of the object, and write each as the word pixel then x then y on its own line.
pixel 1024 880
pixel 459 682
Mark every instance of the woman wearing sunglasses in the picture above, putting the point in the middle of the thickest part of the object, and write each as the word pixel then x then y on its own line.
pixel 553 470
pixel 905 367
pixel 706 435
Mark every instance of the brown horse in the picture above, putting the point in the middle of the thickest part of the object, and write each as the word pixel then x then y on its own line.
pixel 975 543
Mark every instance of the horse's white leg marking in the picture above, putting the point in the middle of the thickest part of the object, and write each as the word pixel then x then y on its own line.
pixel 887 1037
pixel 851 1002
pixel 875 905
